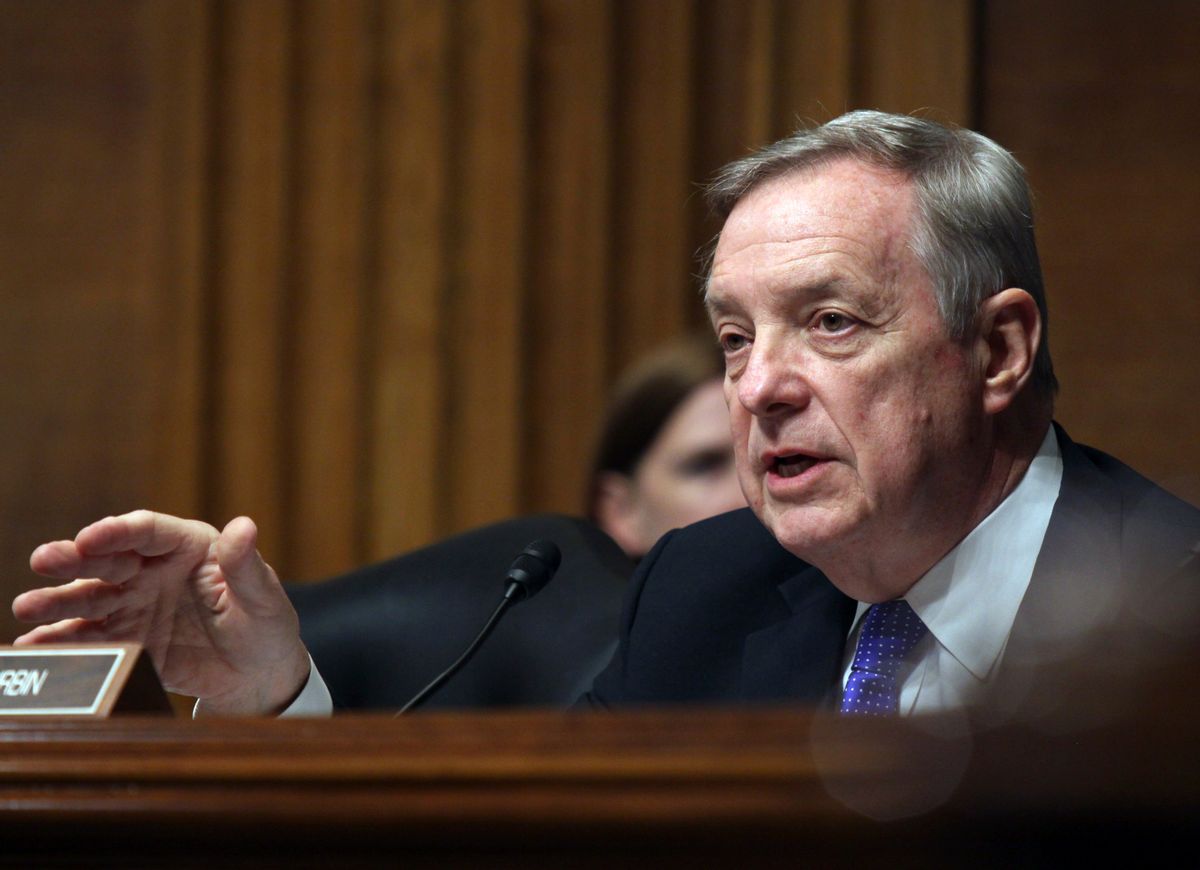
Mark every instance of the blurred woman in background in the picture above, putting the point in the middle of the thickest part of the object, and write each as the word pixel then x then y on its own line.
pixel 665 453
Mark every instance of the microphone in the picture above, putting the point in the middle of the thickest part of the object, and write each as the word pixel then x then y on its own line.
pixel 530 571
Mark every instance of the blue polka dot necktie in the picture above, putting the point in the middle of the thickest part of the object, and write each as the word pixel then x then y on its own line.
pixel 890 631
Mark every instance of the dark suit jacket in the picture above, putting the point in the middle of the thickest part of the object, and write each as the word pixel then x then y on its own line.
pixel 721 612
pixel 381 633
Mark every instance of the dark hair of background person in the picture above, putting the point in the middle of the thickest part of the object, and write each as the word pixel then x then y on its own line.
pixel 644 399
pixel 664 453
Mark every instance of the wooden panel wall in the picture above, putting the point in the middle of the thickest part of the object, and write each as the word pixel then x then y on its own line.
pixel 365 269
pixel 103 241
pixel 1101 102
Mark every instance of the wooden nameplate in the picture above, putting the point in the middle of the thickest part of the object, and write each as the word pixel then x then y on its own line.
pixel 90 679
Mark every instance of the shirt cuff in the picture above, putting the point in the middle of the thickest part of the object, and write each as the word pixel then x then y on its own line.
pixel 314 699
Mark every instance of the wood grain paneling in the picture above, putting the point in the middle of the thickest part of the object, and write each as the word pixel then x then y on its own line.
pixel 1102 104
pixel 324 378
pixel 100 238
pixel 565 325
pixel 177 192
pixel 728 123
pixel 917 56
pixel 816 51
pixel 251 313
pixel 481 463
pixel 411 202
pixel 651 255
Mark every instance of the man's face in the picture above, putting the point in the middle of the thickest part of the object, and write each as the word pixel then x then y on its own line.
pixel 856 420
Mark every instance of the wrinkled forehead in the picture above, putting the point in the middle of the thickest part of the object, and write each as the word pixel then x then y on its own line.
pixel 844 198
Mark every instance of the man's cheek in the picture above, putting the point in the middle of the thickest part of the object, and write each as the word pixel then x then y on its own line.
pixel 750 485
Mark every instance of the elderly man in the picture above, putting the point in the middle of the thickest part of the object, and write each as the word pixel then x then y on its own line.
pixel 918 528
pixel 877 294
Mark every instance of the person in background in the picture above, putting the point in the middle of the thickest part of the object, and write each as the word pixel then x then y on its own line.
pixel 664 458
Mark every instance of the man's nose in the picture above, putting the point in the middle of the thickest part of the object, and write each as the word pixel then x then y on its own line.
pixel 772 382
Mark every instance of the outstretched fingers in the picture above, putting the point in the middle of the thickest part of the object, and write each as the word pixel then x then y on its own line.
pixel 121 548
pixel 89 599
pixel 69 631
pixel 213 610
pixel 63 560
pixel 146 533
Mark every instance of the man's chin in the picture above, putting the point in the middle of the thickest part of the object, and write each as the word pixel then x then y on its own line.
pixel 810 533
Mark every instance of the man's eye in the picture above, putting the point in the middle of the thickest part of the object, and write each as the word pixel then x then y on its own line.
pixel 834 321
pixel 733 342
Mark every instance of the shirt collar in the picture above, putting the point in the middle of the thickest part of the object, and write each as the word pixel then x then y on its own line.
pixel 969 599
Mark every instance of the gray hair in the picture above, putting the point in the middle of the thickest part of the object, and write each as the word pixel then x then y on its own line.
pixel 974 235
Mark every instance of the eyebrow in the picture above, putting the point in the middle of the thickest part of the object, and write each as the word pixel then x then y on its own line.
pixel 716 304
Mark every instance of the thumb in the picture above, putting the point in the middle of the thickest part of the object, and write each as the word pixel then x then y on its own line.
pixel 247 576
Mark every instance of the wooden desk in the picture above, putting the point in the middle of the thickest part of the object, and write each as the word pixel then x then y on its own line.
pixel 701 788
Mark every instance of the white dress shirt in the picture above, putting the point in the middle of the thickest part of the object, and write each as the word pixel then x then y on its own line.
pixel 969 599
pixel 314 699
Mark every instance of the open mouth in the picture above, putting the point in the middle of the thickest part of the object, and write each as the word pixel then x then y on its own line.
pixel 791 466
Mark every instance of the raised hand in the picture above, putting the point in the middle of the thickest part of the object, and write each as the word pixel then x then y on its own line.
pixel 207 608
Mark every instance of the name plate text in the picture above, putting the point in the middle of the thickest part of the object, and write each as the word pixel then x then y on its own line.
pixel 79 680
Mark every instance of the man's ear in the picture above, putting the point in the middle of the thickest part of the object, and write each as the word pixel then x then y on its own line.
pixel 1010 330
pixel 617 510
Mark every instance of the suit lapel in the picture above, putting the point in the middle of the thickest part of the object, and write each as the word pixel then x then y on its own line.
pixel 1076 581
pixel 799 657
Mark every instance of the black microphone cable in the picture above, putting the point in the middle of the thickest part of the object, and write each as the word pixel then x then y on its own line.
pixel 530 571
